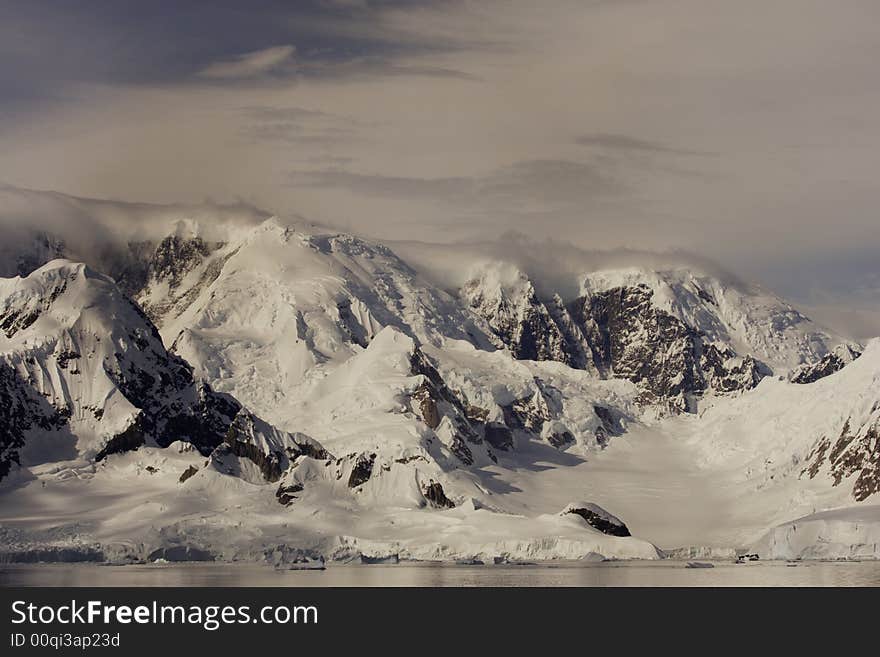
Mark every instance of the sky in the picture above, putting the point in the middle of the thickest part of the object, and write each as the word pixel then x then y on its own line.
pixel 747 132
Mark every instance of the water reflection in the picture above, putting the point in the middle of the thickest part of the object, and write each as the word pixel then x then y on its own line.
pixel 603 574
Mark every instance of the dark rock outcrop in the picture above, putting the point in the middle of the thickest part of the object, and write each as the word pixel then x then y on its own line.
pixel 189 472
pixel 433 401
pixel 632 338
pixel 22 411
pixel 723 371
pixel 518 318
pixel 854 452
pixel 287 494
pixel 271 450
pixel 176 256
pixel 529 413
pixel 362 470
pixel 620 333
pixel 436 497
pixel 19 316
pixel 499 436
pixel 180 553
pixel 598 518
pixel 128 440
pixel 828 365
pixel 560 439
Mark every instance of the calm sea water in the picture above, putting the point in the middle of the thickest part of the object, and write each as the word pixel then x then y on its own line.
pixel 663 573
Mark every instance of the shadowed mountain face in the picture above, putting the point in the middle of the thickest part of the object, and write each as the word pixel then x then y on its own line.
pixel 619 332
pixel 80 357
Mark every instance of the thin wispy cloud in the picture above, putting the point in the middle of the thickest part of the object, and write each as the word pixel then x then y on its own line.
pixel 525 188
pixel 634 144
pixel 250 64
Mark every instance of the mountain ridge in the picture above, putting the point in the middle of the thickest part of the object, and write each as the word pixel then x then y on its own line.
pixel 327 373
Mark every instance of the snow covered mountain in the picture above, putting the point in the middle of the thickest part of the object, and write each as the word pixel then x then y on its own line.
pixel 89 376
pixel 315 391
pixel 676 333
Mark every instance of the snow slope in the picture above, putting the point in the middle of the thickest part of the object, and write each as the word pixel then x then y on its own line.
pixel 288 304
pixel 97 364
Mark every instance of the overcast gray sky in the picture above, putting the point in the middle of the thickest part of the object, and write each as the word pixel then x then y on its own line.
pixel 744 130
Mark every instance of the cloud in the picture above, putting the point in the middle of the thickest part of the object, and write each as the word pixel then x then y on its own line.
pixel 646 125
pixel 89 227
pixel 270 113
pixel 627 143
pixel 560 179
pixel 359 68
pixel 439 189
pixel 251 64
pixel 522 191
pixel 555 266
pixel 297 125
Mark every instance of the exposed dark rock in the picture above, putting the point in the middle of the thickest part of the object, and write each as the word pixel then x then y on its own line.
pixel 560 439
pixel 578 353
pixel 173 405
pixel 828 365
pixel 180 553
pixel 633 339
pixel 176 256
pixel 128 441
pixel 168 262
pixel 427 405
pixel 286 494
pixel 599 518
pixel 271 451
pixel 420 364
pixel 53 554
pixel 362 470
pixel 868 481
pixel 499 436
pixel 410 459
pixel 20 317
pixel 131 268
pixel 723 371
pixel 477 414
pixel 705 296
pixel 352 327
pixel 529 413
pixel 855 452
pixel 189 472
pixel 435 496
pixel 462 451
pixel 519 319
pixel 22 410
pixel 269 462
pixel 312 449
pixel 434 400
pixel 23 256
pixel 65 357
pixel 816 457
pixel 380 559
